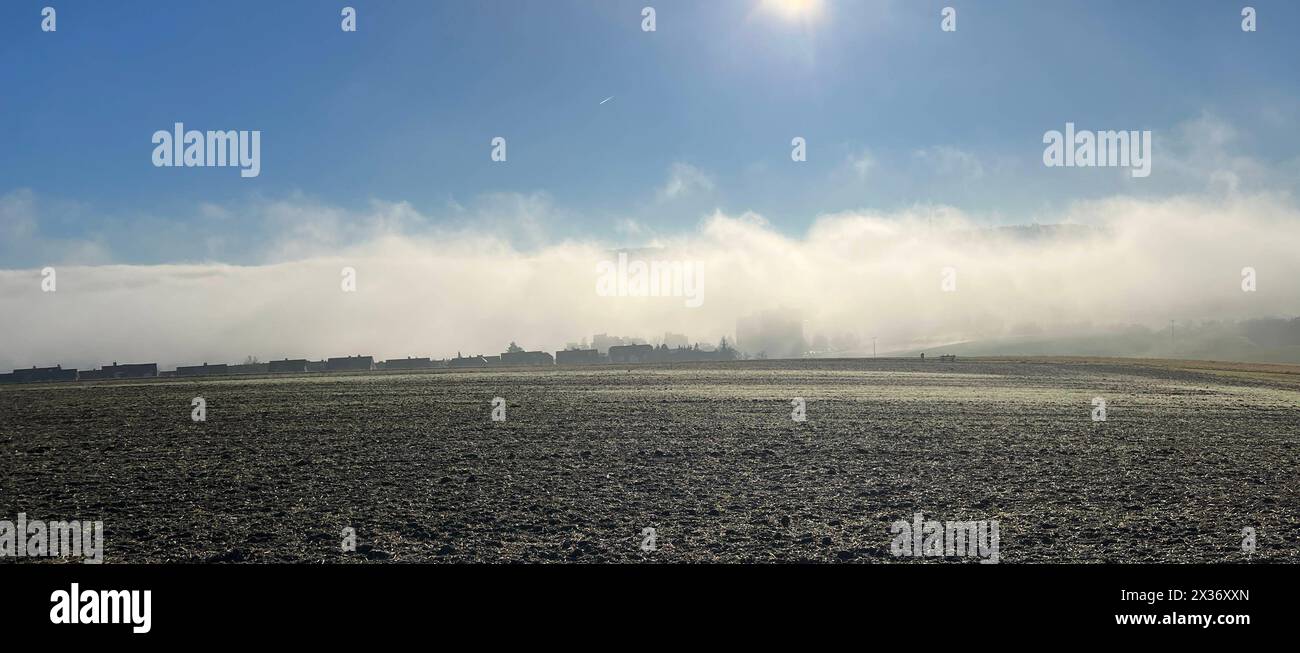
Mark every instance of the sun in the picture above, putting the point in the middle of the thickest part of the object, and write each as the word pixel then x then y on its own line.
pixel 795 10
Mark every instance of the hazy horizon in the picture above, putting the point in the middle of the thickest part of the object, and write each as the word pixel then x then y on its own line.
pixel 433 294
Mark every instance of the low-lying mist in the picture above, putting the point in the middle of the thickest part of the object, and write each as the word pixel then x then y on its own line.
pixel 852 276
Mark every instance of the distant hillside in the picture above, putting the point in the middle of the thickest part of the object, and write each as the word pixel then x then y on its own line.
pixel 1252 341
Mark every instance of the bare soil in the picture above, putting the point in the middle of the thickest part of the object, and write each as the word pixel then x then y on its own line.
pixel 707 454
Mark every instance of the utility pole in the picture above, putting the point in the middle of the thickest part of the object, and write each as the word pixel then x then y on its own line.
pixel 873 346
pixel 1173 343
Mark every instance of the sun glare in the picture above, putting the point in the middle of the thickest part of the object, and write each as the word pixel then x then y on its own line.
pixel 794 9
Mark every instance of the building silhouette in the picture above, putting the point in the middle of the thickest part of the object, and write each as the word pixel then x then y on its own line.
pixel 250 368
pixel 203 370
pixel 407 363
pixel 602 342
pixel 578 357
pixel 460 362
pixel 287 366
pixel 631 354
pixel 527 358
pixel 41 375
pixel 350 364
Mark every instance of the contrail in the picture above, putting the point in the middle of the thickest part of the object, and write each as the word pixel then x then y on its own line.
pixel 607 99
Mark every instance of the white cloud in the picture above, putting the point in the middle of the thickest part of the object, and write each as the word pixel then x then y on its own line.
pixel 1206 152
pixel 21 234
pixel 946 160
pixel 684 179
pixel 861 164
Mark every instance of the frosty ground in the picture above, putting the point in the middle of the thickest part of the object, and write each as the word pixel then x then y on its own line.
pixel 706 454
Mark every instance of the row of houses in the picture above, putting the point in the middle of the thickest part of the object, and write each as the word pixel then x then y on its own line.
pixel 40 375
pixel 285 366
pixel 150 370
pixel 666 354
pixel 60 373
pixel 509 358
pixel 617 354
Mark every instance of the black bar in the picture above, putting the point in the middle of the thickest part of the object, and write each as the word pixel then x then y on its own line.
pixel 230 603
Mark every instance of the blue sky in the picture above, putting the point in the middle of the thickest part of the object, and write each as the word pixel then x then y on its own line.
pixel 895 111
